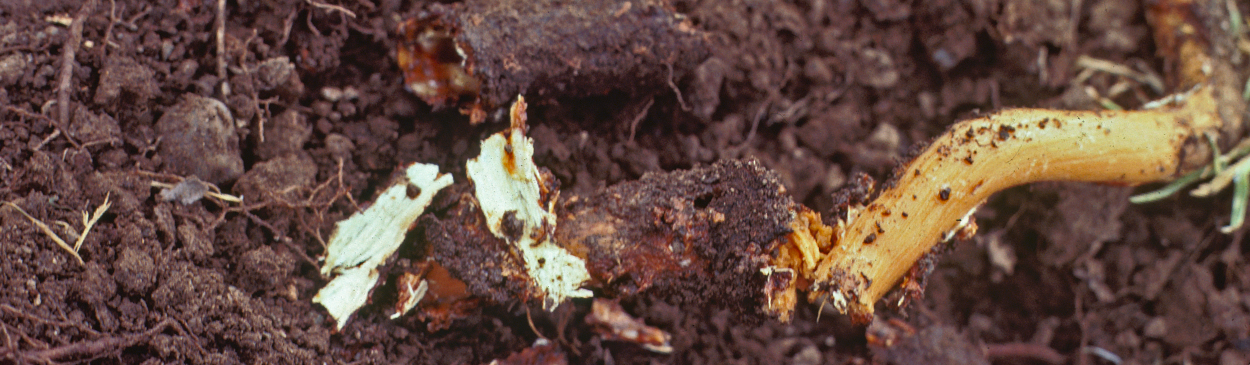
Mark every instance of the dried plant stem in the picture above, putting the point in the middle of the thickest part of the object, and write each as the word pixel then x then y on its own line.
pixel 88 221
pixel 48 232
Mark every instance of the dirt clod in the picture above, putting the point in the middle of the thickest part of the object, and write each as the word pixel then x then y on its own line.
pixel 708 78
pixel 95 285
pixel 94 128
pixel 125 81
pixel 126 191
pixel 198 138
pixel 1084 217
pixel 12 67
pixel 263 268
pixel 276 178
pixel 279 74
pixel 286 134
pixel 933 344
pixel 196 245
pixel 135 271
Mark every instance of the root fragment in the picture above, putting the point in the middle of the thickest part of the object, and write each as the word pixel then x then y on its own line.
pixel 478 55
pixel 94 349
pixel 940 188
pixel 978 157
pixel 613 323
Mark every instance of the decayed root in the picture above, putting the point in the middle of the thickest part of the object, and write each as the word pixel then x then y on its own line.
pixel 478 55
pixel 700 235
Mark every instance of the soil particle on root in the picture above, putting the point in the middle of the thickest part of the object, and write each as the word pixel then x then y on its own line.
pixel 547 49
pixel 198 138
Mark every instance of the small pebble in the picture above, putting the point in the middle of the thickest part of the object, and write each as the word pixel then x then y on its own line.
pixel 331 93
pixel 321 108
pixel 1156 328
pixel 809 355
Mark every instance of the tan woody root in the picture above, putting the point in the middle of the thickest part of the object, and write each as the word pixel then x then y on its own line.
pixel 881 245
pixel 934 195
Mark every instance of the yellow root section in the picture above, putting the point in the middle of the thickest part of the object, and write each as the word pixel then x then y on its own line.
pixel 933 196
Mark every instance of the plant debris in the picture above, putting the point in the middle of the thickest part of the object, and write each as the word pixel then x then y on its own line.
pixel 367 239
pixel 518 201
pixel 187 191
pixel 614 324
pixel 88 221
pixel 543 352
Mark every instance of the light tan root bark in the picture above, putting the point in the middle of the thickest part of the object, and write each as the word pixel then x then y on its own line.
pixel 934 196
pixel 878 245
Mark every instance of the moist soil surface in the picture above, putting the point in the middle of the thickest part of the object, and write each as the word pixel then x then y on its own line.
pixel 317 119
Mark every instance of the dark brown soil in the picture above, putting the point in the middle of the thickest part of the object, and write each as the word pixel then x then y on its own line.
pixel 317 119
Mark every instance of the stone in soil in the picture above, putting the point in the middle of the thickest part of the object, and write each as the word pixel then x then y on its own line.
pixel 198 139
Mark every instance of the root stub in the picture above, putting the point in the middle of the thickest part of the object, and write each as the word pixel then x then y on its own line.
pixel 481 54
